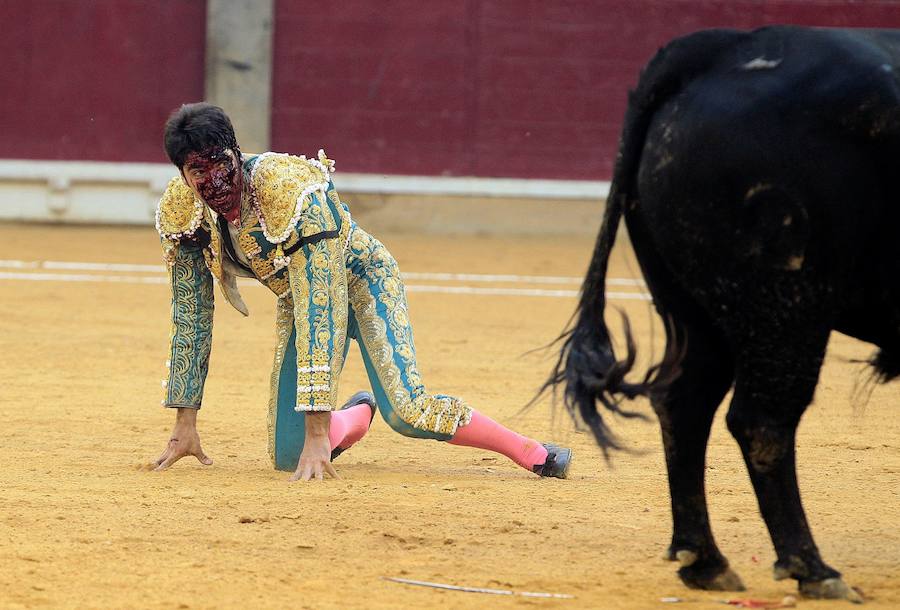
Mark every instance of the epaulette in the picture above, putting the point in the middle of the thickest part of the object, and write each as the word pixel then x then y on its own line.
pixel 179 212
pixel 281 186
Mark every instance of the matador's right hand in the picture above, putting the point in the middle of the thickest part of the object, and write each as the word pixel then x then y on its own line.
pixel 315 458
pixel 185 440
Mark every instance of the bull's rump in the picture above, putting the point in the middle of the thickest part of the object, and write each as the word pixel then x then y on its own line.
pixel 765 177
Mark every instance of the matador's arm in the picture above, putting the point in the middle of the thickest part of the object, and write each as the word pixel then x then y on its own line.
pixel 319 289
pixel 298 192
pixel 318 279
pixel 184 237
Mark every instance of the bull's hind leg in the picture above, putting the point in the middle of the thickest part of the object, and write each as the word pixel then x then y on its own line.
pixel 685 415
pixel 774 384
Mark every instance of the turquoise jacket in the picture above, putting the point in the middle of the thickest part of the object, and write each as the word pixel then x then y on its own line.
pixel 294 233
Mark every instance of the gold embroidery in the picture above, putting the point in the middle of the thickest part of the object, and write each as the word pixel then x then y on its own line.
pixel 324 163
pixel 284 324
pixel 170 253
pixel 292 239
pixel 248 243
pixel 300 296
pixel 389 336
pixel 179 212
pixel 288 195
pixel 339 310
pixel 311 229
pixel 190 337
pixel 213 254
pixel 279 285
pixel 281 186
pixel 263 267
pixel 319 283
pixel 333 196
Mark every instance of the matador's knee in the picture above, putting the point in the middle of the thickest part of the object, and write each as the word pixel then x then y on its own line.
pixel 429 416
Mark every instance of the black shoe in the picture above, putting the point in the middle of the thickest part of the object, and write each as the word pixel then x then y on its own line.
pixel 557 464
pixel 359 398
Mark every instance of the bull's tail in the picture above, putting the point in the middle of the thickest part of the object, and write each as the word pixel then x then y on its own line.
pixel 587 363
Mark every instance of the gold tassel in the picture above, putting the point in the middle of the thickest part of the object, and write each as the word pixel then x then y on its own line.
pixel 280 261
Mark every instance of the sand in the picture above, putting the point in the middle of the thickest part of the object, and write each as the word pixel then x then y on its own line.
pixel 83 524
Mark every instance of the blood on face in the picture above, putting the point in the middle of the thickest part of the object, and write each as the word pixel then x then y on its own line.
pixel 214 174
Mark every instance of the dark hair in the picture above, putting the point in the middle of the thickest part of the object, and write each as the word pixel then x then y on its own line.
pixel 195 128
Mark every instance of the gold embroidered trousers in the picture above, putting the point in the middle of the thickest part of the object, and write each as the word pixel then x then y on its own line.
pixel 378 320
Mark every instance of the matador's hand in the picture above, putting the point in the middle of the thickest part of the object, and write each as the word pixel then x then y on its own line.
pixel 184 441
pixel 315 459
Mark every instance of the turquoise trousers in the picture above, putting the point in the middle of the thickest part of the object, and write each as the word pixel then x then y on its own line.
pixel 378 321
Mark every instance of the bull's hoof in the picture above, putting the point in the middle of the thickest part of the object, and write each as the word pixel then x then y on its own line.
pixel 710 575
pixel 830 588
pixel 709 580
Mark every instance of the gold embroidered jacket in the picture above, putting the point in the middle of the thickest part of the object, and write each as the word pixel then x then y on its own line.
pixel 294 234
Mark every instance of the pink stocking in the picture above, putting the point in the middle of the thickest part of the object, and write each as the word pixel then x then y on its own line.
pixel 484 433
pixel 349 425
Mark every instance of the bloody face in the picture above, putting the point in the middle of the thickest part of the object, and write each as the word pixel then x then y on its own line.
pixel 215 175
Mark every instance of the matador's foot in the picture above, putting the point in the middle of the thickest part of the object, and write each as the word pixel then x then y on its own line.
pixel 359 398
pixel 557 464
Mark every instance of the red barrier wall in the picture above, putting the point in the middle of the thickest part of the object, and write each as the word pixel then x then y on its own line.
pixel 96 80
pixel 523 88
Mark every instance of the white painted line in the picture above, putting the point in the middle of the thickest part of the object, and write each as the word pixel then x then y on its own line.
pixel 18 264
pixel 526 292
pixel 79 266
pixel 74 277
pixel 439 585
pixel 449 277
pixel 524 279
pixel 133 279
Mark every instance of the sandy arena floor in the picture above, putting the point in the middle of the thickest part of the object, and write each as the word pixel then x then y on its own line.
pixel 83 524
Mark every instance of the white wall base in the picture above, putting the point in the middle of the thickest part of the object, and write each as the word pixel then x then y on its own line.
pixel 127 193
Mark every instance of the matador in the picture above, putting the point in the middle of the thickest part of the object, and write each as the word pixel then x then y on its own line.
pixel 278 218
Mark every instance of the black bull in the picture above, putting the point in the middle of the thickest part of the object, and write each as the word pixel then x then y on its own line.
pixel 756 177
